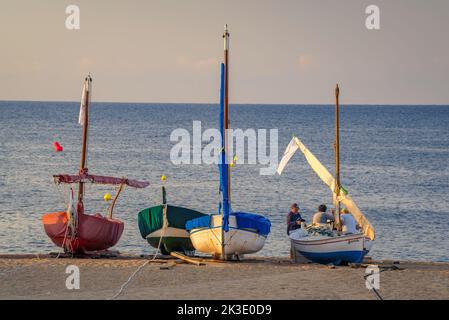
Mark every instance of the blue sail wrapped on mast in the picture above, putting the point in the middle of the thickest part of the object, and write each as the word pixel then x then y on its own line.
pixel 222 164
pixel 241 232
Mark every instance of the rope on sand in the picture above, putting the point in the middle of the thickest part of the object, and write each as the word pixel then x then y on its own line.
pixel 142 265
pixel 382 269
pixel 129 279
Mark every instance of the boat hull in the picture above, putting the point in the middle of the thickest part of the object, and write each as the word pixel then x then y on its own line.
pixel 94 232
pixel 336 250
pixel 169 231
pixel 171 240
pixel 237 242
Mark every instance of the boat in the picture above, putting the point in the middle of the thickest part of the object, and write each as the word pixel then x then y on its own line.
pixel 163 226
pixel 227 235
pixel 74 230
pixel 335 249
pixel 330 246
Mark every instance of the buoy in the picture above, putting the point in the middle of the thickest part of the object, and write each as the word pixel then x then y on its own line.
pixel 234 161
pixel 107 197
pixel 57 146
pixel 163 178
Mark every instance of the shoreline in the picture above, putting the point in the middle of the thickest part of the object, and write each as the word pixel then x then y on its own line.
pixel 116 255
pixel 28 276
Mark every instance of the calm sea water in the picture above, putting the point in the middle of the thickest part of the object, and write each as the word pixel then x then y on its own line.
pixel 394 164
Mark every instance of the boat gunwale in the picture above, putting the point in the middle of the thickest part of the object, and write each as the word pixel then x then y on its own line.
pixel 196 230
pixel 330 240
pixel 158 233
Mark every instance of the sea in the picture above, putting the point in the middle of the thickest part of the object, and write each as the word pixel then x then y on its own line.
pixel 394 164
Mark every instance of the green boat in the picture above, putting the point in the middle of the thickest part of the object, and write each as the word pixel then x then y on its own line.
pixel 166 224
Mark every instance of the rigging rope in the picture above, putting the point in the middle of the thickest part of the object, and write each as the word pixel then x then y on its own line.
pixel 63 194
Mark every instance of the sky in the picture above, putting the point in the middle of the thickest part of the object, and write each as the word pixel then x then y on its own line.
pixel 281 52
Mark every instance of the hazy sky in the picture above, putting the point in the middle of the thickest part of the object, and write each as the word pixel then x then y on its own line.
pixel 281 51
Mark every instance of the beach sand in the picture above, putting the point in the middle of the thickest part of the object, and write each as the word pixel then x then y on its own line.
pixel 44 277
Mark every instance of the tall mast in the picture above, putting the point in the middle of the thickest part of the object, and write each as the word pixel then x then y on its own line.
pixel 226 104
pixel 337 157
pixel 226 143
pixel 83 162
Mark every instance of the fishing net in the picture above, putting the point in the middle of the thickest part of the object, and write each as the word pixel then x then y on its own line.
pixel 319 231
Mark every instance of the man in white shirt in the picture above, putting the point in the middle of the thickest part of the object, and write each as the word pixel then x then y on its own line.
pixel 348 223
pixel 321 217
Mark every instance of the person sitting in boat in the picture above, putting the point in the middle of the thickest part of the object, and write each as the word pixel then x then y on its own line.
pixel 348 223
pixel 294 218
pixel 321 217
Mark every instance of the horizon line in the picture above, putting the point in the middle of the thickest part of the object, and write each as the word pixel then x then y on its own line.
pixel 235 103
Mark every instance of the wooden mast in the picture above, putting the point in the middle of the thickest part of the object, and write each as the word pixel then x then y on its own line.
pixel 83 162
pixel 226 127
pixel 337 158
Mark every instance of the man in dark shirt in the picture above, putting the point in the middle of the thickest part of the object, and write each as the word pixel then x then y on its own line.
pixel 294 219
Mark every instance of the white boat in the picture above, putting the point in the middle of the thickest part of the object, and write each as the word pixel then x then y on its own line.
pixel 227 235
pixel 333 247
pixel 338 249
pixel 235 243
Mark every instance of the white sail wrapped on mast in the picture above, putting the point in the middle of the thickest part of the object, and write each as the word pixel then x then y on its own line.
pixel 329 180
pixel 84 100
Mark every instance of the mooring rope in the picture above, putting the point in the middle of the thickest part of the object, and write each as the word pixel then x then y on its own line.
pixel 123 286
pixel 129 280
pixel 63 241
pixel 67 204
pixel 382 269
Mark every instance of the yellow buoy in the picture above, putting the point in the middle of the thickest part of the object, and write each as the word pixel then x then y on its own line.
pixel 163 178
pixel 107 197
pixel 234 161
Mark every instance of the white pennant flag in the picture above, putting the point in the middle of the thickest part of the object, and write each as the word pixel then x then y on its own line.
pixel 288 154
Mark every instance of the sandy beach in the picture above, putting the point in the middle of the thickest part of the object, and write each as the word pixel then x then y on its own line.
pixel 44 277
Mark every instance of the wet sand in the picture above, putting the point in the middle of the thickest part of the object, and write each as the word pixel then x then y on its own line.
pixel 44 277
